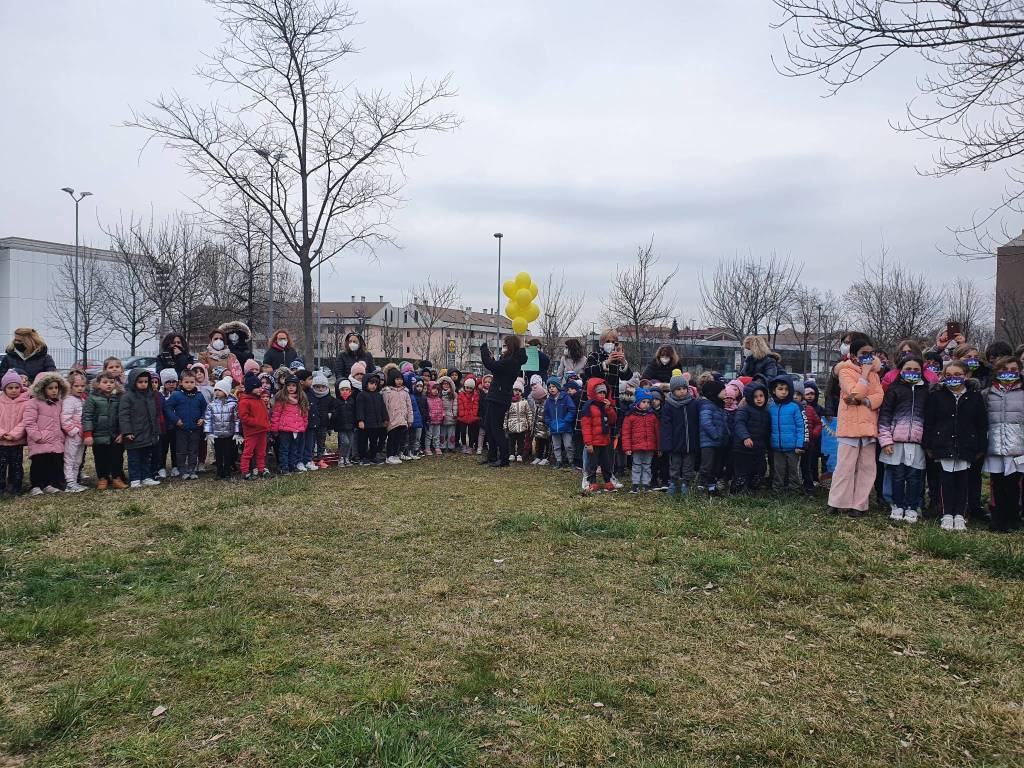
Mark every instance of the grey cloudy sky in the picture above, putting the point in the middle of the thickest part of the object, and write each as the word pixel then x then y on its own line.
pixel 589 128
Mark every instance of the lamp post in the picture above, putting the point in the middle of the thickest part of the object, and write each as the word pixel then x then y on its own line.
pixel 79 197
pixel 272 161
pixel 497 316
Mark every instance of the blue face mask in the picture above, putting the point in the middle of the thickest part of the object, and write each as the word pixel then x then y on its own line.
pixel 911 377
pixel 1008 377
pixel 933 368
pixel 971 362
pixel 954 381
pixel 866 359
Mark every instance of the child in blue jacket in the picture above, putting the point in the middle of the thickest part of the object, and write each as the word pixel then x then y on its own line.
pixel 680 435
pixel 714 436
pixel 184 412
pixel 789 435
pixel 560 416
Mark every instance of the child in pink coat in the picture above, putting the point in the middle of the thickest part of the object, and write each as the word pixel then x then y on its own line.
pixel 13 397
pixel 288 421
pixel 45 434
pixel 71 423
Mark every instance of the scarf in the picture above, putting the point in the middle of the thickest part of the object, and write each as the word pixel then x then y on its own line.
pixel 215 354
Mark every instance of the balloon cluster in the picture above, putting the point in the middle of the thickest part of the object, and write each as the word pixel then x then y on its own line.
pixel 521 309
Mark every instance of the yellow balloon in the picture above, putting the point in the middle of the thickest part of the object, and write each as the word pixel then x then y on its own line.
pixel 523 297
pixel 519 325
pixel 513 310
pixel 533 290
pixel 531 313
pixel 509 288
pixel 523 280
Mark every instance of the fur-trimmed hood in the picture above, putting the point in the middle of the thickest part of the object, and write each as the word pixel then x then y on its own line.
pixel 236 326
pixel 43 380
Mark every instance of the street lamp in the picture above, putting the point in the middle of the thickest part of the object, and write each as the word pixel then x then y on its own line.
pixel 272 161
pixel 79 197
pixel 497 315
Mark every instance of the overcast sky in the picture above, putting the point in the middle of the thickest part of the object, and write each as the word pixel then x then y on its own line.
pixel 587 130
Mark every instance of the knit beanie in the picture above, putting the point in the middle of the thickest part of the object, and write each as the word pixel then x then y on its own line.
pixel 252 382
pixel 319 380
pixel 518 385
pixel 406 367
pixel 251 366
pixel 297 364
pixel 343 384
pixel 358 367
pixel 11 377
pixel 224 385
pixel 554 381
pixel 535 380
pixel 711 390
pixel 469 383
pixel 642 394
pixel 678 382
pixel 168 374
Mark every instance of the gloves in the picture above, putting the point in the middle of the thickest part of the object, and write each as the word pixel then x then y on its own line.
pixel 238 440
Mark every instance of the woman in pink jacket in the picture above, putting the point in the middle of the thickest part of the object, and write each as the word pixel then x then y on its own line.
pixel 13 397
pixel 857 428
pixel 45 434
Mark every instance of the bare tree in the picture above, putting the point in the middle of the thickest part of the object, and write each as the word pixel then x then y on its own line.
pixel 890 303
pixel 128 309
pixel 818 320
pixel 433 303
pixel 245 239
pixel 559 313
pixel 968 305
pixel 637 297
pixel 750 296
pixel 80 286
pixel 390 337
pixel 341 173
pixel 970 99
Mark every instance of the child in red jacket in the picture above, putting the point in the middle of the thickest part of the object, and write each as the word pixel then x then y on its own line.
pixel 641 438
pixel 254 415
pixel 809 459
pixel 597 417
pixel 468 427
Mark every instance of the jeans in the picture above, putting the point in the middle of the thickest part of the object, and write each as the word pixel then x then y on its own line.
pixel 346 439
pixel 289 450
pixel 907 486
pixel 12 471
pixel 412 440
pixel 600 457
pixel 563 447
pixel 188 449
pixel 642 461
pixel 140 462
pixel 785 470
pixel 434 437
pixel 681 469
pixel 396 440
pixel 307 446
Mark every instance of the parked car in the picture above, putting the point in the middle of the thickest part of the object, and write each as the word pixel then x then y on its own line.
pixel 140 361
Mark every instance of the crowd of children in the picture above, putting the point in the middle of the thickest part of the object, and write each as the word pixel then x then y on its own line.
pixel 934 421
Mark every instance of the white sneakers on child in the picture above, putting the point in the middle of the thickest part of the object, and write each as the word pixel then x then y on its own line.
pixel 312 466
pixel 959 524
pixel 35 491
pixel 51 489
pixel 150 482
pixel 542 463
pixel 300 467
pixel 392 460
pixel 136 484
pixel 75 488
pixel 162 473
pixel 896 515
pixel 910 516
pixel 175 472
pixel 946 523
pixel 535 462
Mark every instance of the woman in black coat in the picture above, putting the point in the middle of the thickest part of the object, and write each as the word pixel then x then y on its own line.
pixel 355 351
pixel 281 350
pixel 27 354
pixel 239 340
pixel 666 360
pixel 174 354
pixel 505 370
pixel 759 360
pixel 609 363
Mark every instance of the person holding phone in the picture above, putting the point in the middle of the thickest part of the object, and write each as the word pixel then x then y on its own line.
pixel 608 362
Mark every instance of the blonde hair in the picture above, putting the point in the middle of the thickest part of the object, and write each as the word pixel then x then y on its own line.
pixel 757 345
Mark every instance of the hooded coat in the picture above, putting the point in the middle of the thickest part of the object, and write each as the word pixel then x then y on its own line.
pixel 12 417
pixel 597 418
pixel 42 417
pixel 714 429
pixel 753 422
pixel 469 403
pixel 641 430
pixel 242 348
pixel 370 408
pixel 348 358
pixel 789 427
pixel 253 413
pixel 397 402
pixel 186 407
pixel 766 367
pixel 1005 420
pixel 680 424
pixel 449 401
pixel 32 359
pixel 409 379
pixel 137 413
pixel 282 357
pixel 344 417
pixel 560 413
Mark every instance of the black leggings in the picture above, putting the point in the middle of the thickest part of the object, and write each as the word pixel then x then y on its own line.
pixel 494 424
pixel 371 442
pixel 109 461
pixel 47 470
pixel 224 453
pixel 1005 501
pixel 954 487
pixel 517 441
pixel 396 440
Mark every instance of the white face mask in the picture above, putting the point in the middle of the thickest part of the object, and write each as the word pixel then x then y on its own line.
pixel 217 344
pixel 233 337
pixel 353 346
pixel 282 341
pixel 470 385
pixel 566 352
pixel 608 347
pixel 665 360
pixel 748 352
pixel 844 349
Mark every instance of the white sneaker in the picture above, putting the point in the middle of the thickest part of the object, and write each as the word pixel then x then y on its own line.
pixel 519 458
pixel 392 460
pixel 162 473
pixel 300 467
pixel 51 489
pixel 417 456
pixel 312 466
pixel 896 515
pixel 479 451
pixel 542 463
pixel 959 524
pixel 910 516
pixel 616 483
pixel 535 462
pixel 74 488
pixel 36 492
pixel 947 523
pixel 149 482
pixel 136 484
pixel 175 472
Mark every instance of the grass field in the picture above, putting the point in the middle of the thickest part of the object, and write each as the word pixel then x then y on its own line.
pixel 442 614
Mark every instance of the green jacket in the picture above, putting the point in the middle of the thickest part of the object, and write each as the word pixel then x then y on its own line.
pixel 99 417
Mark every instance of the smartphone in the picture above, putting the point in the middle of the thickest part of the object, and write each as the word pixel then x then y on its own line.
pixel 953 329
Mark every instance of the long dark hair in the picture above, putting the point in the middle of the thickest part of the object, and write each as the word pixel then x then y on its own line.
pixel 165 345
pixel 575 349
pixel 512 345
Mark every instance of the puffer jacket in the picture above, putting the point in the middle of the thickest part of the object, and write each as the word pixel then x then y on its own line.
pixel 99 417
pixel 789 427
pixel 371 410
pixel 222 417
pixel 538 426
pixel 597 419
pixel 767 367
pixel 43 417
pixel 399 407
pixel 517 419
pixel 680 425
pixel 955 428
pixel 137 414
pixel 753 422
pixel 186 407
pixel 71 416
pixel 324 405
pixel 253 414
pixel 714 431
pixel 469 406
pixel 288 417
pixel 901 417
pixel 12 418
pixel 1005 420
pixel 417 418
pixel 858 420
pixel 435 409
pixel 641 430
pixel 560 414
pixel 344 419
pixel 450 403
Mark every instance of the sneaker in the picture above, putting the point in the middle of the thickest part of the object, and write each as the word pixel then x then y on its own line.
pixel 36 491
pixel 542 463
pixel 150 482
pixel 51 489
pixel 910 516
pixel 896 515
pixel 75 488
pixel 266 473
pixel 392 460
pixel 416 456
pixel 683 490
pixel 312 466
pixel 616 483
pixel 519 458
pixel 323 464
pixel 610 486
pixel 645 488
pixel 135 484
pixel 584 485
pixel 670 489
pixel 162 473
pixel 479 451
pixel 300 467
pixel 959 524
pixel 947 523
pixel 635 488
pixel 405 457
pixel 594 487
pixel 175 472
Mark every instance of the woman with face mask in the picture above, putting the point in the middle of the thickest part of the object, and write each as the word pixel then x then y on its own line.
pixel 760 360
pixel 218 355
pixel 666 359
pixel 238 337
pixel 281 350
pixel 608 362
pixel 353 351
pixel 27 354
pixel 504 370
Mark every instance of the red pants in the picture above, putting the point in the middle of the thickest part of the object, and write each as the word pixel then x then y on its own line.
pixel 255 444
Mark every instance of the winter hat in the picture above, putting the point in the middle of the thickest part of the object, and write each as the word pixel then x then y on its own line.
pixel 518 385
pixel 554 381
pixel 224 385
pixel 601 389
pixel 297 364
pixel 291 380
pixel 642 394
pixel 711 390
pixel 218 372
pixel 469 382
pixel 656 395
pixel 343 384
pixel 425 365
pixel 535 380
pixel 678 381
pixel 358 367
pixel 406 367
pixel 574 384
pixel 251 366
pixel 319 380
pixel 168 374
pixel 252 382
pixel 11 377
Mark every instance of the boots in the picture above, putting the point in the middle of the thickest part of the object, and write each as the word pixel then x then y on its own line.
pixel 118 484
pixel 101 484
